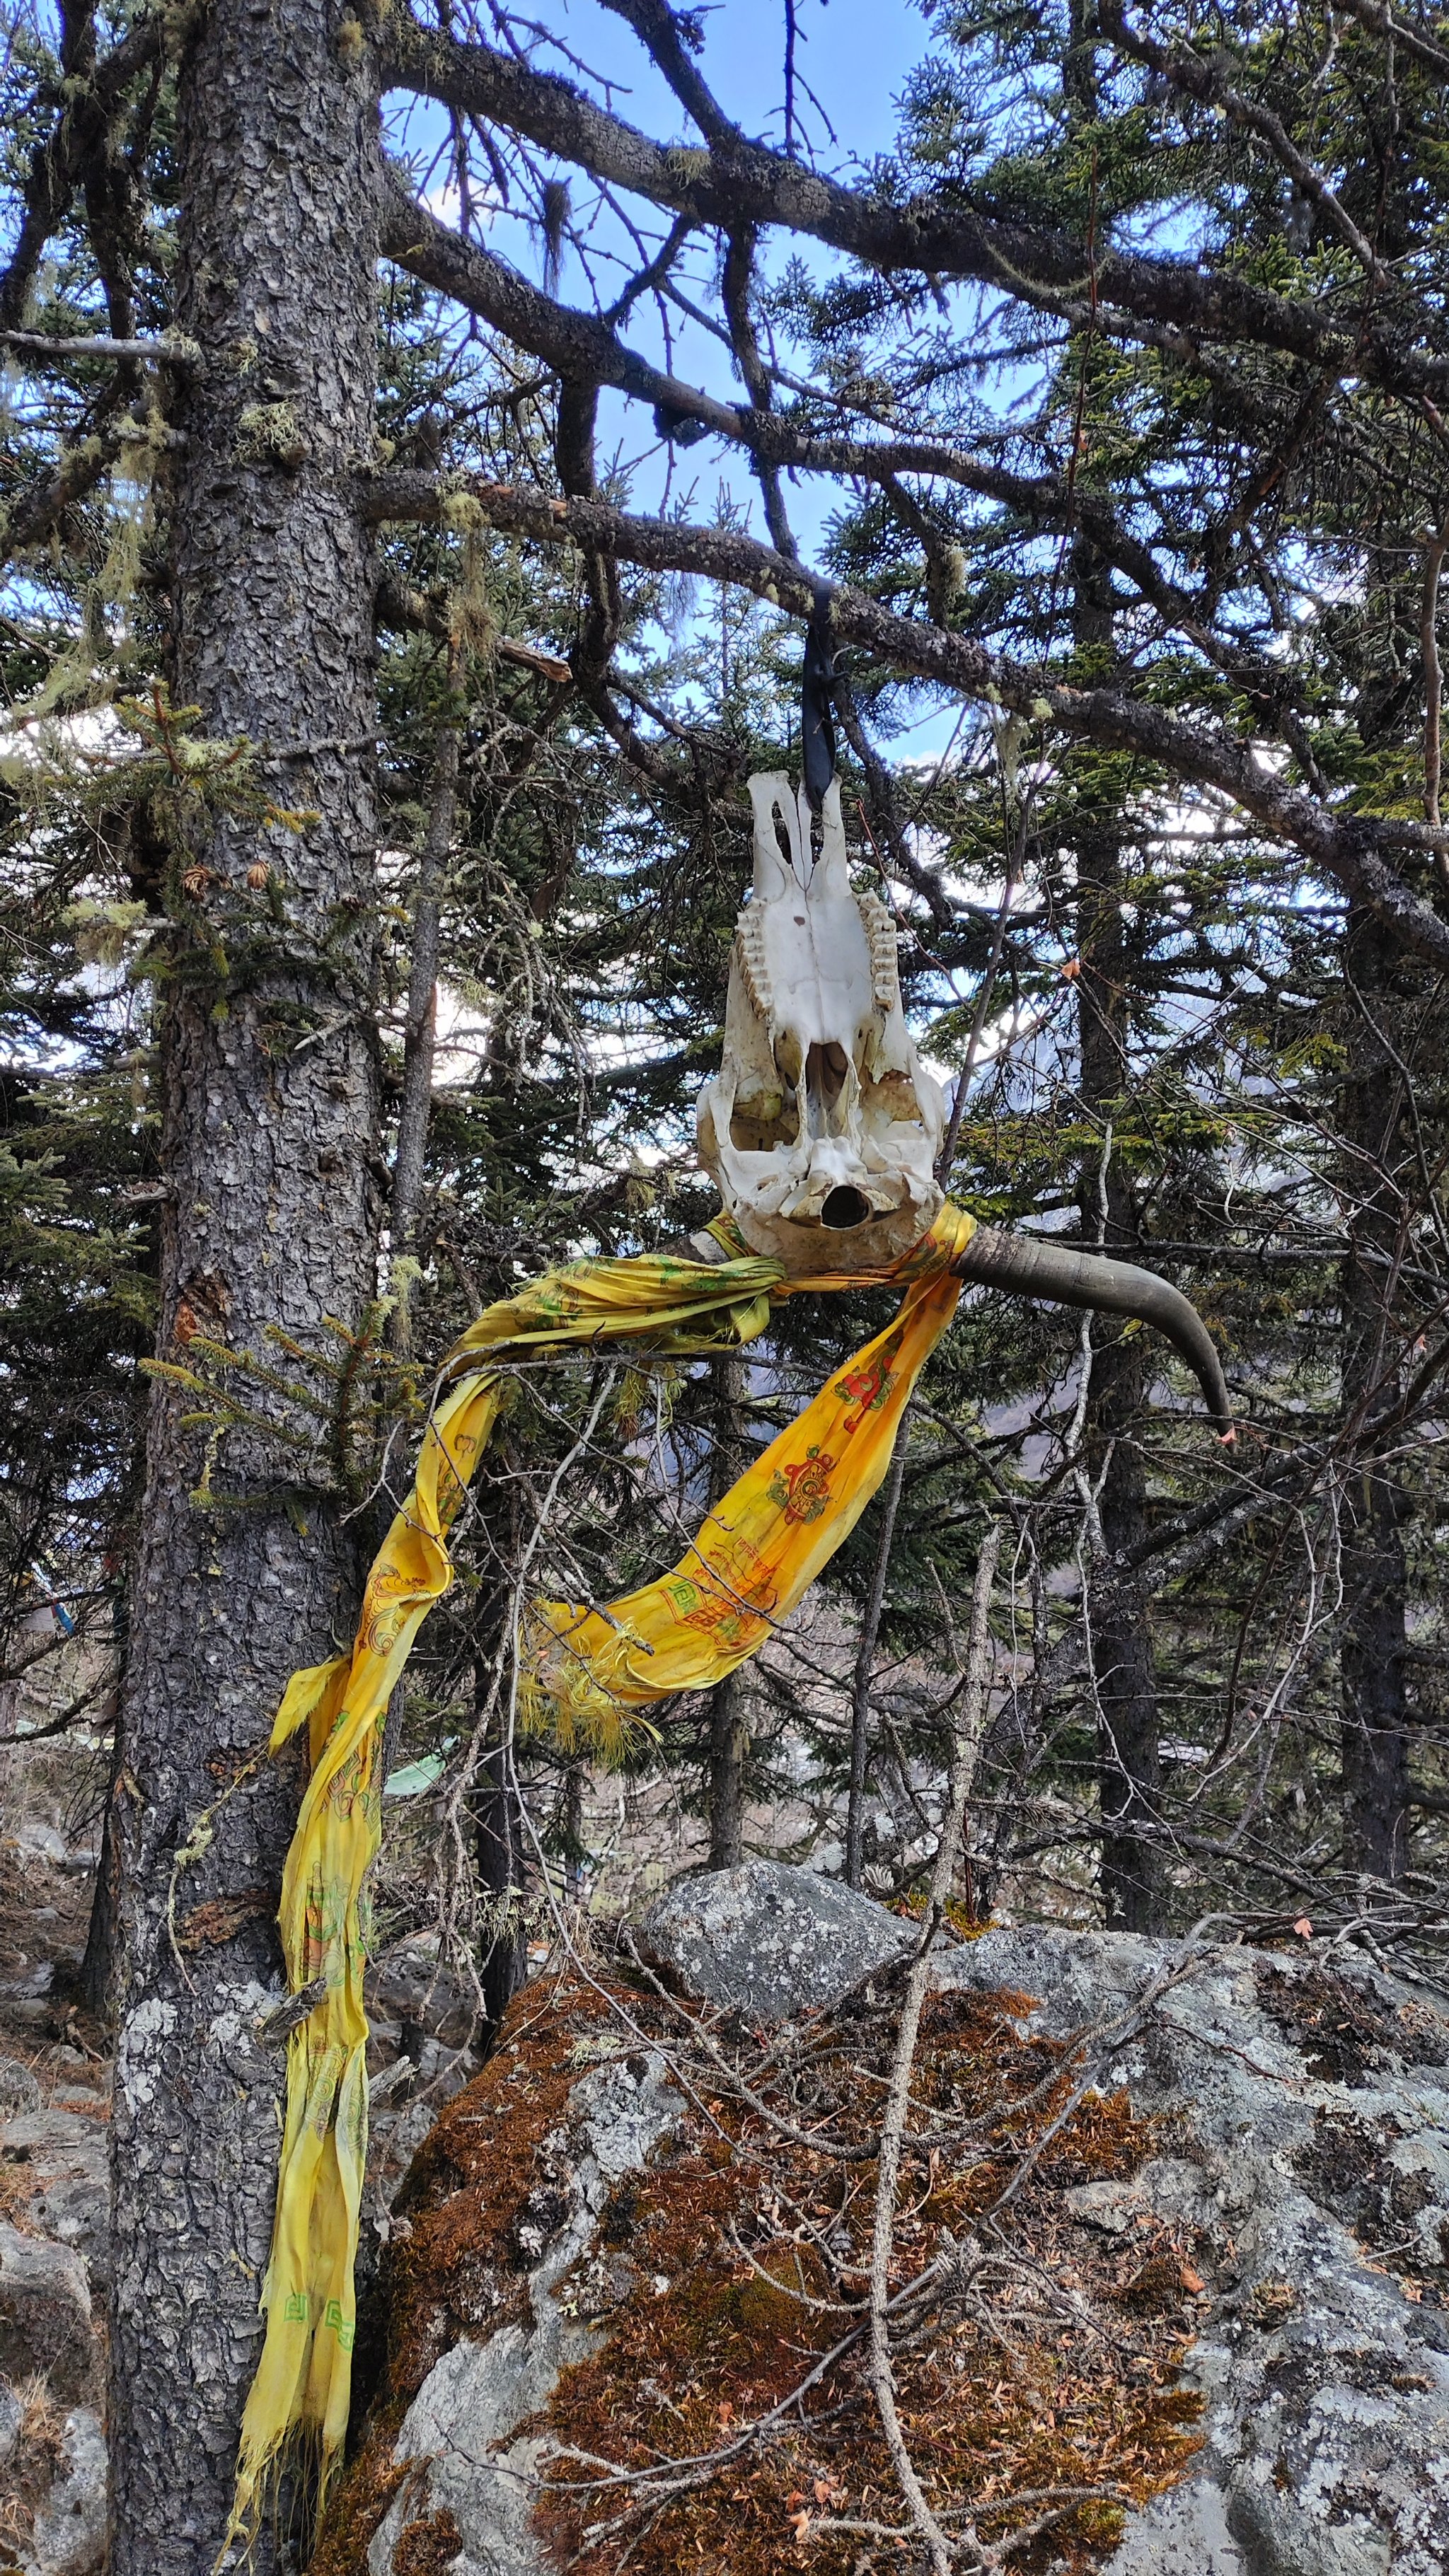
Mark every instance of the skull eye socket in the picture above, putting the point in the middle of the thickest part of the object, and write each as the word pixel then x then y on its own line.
pixel 896 1096
pixel 763 1119
pixel 766 1114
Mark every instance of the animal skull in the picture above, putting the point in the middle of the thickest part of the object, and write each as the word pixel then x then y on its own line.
pixel 822 1126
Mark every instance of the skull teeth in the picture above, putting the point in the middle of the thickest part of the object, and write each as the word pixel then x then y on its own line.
pixel 885 973
pixel 750 951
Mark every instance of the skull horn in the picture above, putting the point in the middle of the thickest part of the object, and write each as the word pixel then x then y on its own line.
pixel 1023 1267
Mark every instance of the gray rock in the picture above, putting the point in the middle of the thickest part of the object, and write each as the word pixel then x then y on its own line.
pixel 36 1977
pixel 1181 2534
pixel 1326 2389
pixel 45 2315
pixel 458 2430
pixel 410 1986
pixel 10 2414
pixel 18 2088
pixel 66 2153
pixel 41 1842
pixel 440 2070
pixel 409 2128
pixel 69 2537
pixel 769 1941
pixel 30 2013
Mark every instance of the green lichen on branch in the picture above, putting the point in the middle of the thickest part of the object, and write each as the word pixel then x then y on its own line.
pixel 84 670
pixel 328 1416
pixel 470 610
pixel 150 795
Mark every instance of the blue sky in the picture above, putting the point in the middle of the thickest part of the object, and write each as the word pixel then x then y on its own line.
pixel 856 56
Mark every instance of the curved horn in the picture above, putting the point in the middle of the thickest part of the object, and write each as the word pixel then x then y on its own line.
pixel 1062 1277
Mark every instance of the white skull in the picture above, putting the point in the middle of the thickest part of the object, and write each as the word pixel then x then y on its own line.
pixel 822 1126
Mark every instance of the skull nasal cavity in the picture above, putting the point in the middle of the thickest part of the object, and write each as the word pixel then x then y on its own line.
pixel 825 1070
pixel 844 1207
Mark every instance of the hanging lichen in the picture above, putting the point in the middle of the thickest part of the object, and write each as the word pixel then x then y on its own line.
pixel 474 626
pixel 82 671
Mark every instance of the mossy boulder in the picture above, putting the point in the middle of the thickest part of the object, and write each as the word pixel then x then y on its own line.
pixel 768 1941
pixel 1169 2269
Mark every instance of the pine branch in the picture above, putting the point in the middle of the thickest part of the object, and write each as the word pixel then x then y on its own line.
pixel 1348 848
pixel 583 345
pixel 1166 302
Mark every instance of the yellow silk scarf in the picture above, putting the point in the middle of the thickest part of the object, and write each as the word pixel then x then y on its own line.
pixel 759 1551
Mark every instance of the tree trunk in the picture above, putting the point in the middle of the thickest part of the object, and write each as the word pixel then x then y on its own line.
pixel 503 1964
pixel 420 1031
pixel 96 1976
pixel 1375 1713
pixel 729 1730
pixel 268 1152
pixel 728 1744
pixel 1129 1760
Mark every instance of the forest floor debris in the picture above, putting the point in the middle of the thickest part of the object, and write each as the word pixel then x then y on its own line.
pixel 54 2106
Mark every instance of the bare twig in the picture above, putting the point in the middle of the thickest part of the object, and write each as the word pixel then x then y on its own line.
pixel 1433 689
pixel 967 1739
pixel 865 1653
pixel 173 351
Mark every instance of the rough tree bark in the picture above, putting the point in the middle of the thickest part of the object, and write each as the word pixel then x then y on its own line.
pixel 864 1673
pixel 1374 1637
pixel 727 1705
pixel 271 1217
pixel 1129 1759
pixel 728 1744
pixel 502 1874
pixel 420 1031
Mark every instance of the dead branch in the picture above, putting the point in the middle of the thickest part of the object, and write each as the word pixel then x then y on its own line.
pixel 967 1737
